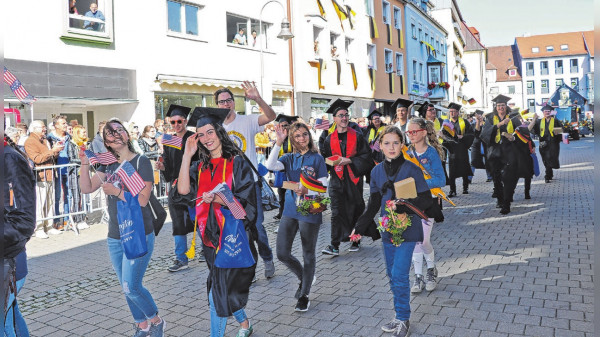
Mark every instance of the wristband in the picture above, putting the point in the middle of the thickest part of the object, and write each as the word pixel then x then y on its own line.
pixel 120 191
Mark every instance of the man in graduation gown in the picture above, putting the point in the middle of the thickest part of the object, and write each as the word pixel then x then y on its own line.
pixel 479 148
pixel 402 108
pixel 497 130
pixel 458 160
pixel 346 183
pixel 519 162
pixel 170 165
pixel 286 147
pixel 548 129
pixel 371 134
pixel 331 129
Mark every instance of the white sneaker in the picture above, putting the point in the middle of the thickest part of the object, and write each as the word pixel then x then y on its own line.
pixel 40 234
pixel 54 231
pixel 83 225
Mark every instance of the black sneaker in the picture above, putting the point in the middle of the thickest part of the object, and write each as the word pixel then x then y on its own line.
pixel 201 257
pixel 178 265
pixel 401 329
pixel 303 304
pixel 355 247
pixel 331 250
pixel 277 217
pixel 391 326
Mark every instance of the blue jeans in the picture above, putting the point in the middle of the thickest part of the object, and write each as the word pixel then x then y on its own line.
pixel 181 247
pixel 397 263
pixel 218 324
pixel 264 250
pixel 130 274
pixel 60 185
pixel 18 327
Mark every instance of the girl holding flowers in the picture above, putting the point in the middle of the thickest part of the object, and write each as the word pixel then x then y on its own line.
pixel 307 167
pixel 401 228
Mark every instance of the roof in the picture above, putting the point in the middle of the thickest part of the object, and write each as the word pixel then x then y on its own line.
pixel 490 66
pixel 503 58
pixel 574 41
pixel 473 30
pixel 589 41
pixel 471 42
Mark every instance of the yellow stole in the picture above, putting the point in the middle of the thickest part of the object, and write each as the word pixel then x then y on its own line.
pixel 509 128
pixel 373 135
pixel 550 128
pixel 289 148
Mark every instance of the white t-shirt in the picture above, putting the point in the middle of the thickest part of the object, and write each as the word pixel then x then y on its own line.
pixel 242 132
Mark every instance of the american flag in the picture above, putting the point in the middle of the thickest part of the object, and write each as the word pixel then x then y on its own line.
pixel 375 146
pixel 172 141
pixel 321 124
pixel 104 158
pixel 223 191
pixel 17 88
pixel 130 178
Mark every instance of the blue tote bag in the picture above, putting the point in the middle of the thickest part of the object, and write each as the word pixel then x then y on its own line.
pixel 131 227
pixel 234 249
pixel 536 165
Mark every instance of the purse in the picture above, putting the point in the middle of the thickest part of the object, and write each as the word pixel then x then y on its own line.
pixel 234 247
pixel 131 227
pixel 159 214
pixel 268 196
pixel 280 177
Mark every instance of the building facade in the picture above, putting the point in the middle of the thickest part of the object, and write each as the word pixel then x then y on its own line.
pixel 475 89
pixel 173 52
pixel 503 76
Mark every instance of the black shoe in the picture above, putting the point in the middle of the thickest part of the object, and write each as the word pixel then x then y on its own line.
pixel 331 250
pixel 465 191
pixel 494 195
pixel 303 304
pixel 527 196
pixel 401 329
pixel 177 266
pixel 498 204
pixel 452 194
pixel 201 257
pixel 277 217
pixel 547 181
pixel 488 180
pixel 355 247
pixel 505 209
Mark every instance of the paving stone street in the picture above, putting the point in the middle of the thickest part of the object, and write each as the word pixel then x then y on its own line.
pixel 526 274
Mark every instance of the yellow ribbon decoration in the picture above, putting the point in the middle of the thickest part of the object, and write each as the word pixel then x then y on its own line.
pixel 509 128
pixel 543 127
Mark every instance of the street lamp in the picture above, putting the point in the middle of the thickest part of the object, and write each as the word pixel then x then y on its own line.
pixel 285 34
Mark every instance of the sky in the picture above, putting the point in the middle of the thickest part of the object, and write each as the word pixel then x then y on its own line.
pixel 519 17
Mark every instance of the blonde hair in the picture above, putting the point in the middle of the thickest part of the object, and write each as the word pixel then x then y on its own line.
pixel 77 131
pixel 432 138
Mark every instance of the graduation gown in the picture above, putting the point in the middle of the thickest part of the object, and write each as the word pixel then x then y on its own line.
pixel 549 145
pixel 230 286
pixel 458 160
pixel 519 164
pixel 347 202
pixel 371 136
pixel 478 150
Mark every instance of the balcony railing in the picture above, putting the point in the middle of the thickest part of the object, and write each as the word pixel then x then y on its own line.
pixel 559 71
pixel 530 91
pixel 544 71
pixel 574 70
pixel 529 72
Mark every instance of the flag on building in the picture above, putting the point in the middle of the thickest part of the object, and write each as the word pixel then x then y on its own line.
pixel 104 158
pixel 17 88
pixel 472 101
pixel 222 190
pixel 172 141
pixel 321 124
pixel 130 178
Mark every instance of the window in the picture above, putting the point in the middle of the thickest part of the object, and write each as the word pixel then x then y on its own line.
pixel 558 67
pixel 420 72
pixel 434 73
pixel 559 82
pixel 544 67
pixel 535 50
pixel 443 48
pixel 574 66
pixel 564 47
pixel 399 64
pixel 574 83
pixel 511 89
pixel 183 18
pixel 545 88
pixel 88 20
pixel 333 40
pixel 420 36
pixel 386 12
pixel 369 8
pixel 432 41
pixel 239 31
pixel 512 72
pixel 529 68
pixel 426 39
pixel 397 18
pixel 549 48
pixel 530 88
pixel 318 106
pixel 413 31
pixel 347 49
pixel 414 69
pixel 317 32
pixel 544 101
pixel 531 104
pixel 389 62
pixel 372 56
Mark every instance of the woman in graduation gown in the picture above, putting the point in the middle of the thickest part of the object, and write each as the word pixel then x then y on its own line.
pixel 219 161
pixel 549 140
pixel 397 258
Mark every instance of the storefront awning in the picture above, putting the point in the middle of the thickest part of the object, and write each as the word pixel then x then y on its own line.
pixel 200 81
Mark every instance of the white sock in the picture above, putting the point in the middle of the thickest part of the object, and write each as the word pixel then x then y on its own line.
pixel 417 259
pixel 430 258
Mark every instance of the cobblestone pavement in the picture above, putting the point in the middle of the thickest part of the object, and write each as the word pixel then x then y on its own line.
pixel 525 274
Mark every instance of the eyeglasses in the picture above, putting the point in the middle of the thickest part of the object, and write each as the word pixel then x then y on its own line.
pixel 225 101
pixel 342 115
pixel 413 132
pixel 179 121
pixel 303 135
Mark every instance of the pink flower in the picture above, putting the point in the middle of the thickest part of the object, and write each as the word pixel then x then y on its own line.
pixel 390 204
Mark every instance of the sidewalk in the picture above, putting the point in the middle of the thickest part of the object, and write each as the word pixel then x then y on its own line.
pixel 525 274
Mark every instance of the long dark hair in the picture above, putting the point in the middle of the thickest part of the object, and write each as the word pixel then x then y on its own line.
pixel 295 127
pixel 228 147
pixel 109 129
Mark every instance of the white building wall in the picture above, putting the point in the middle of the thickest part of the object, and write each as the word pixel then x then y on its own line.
pixel 477 85
pixel 142 43
pixel 496 88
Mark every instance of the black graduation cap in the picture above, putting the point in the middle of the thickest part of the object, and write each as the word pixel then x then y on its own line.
pixel 178 110
pixel 202 116
pixel 501 99
pixel 339 104
pixel 514 113
pixel 401 103
pixel 479 112
pixel 285 118
pixel 374 113
pixel 423 109
pixel 454 106
pixel 547 107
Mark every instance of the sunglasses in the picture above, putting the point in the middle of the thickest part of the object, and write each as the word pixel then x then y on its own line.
pixel 179 121
pixel 413 132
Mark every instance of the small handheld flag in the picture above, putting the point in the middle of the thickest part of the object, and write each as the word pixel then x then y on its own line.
pixel 104 158
pixel 311 183
pixel 131 178
pixel 222 190
pixel 172 141
pixel 449 128
pixel 321 124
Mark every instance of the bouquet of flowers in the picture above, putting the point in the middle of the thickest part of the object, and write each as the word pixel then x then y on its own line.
pixel 314 205
pixel 394 223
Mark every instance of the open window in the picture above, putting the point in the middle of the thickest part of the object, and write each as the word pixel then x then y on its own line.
pixel 389 60
pixel 88 20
